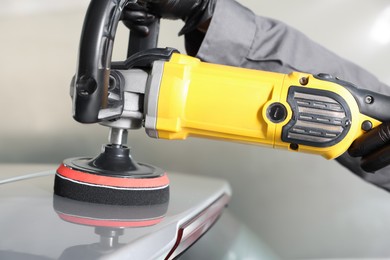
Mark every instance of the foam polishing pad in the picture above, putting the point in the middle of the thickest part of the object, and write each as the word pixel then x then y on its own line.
pixel 78 184
pixel 112 178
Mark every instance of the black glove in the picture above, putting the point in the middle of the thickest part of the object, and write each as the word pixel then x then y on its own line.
pixel 137 18
pixel 193 12
pixel 373 147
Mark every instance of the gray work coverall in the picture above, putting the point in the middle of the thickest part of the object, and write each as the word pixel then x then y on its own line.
pixel 256 42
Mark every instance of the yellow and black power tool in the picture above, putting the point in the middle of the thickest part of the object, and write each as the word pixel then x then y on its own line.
pixel 174 96
pixel 317 114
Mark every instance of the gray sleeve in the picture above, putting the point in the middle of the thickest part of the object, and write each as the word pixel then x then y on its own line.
pixel 238 37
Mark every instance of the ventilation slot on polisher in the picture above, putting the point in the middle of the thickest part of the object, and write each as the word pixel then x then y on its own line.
pixel 320 118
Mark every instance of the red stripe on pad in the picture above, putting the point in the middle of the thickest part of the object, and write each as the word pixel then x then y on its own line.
pixel 80 176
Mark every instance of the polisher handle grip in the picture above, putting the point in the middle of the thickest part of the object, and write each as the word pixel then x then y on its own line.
pixel 94 61
pixel 90 90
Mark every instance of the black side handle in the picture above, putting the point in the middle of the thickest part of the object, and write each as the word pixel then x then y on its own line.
pixel 94 61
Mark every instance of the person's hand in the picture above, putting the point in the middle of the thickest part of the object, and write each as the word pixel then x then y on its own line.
pixel 137 18
pixel 373 147
pixel 195 13
pixel 177 9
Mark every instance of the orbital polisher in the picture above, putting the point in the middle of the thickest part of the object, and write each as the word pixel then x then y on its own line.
pixel 174 96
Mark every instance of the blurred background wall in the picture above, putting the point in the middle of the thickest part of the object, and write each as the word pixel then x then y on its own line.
pixel 301 205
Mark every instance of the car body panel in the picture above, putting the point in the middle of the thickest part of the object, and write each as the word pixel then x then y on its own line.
pixel 37 223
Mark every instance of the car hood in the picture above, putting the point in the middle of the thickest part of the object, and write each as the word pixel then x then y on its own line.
pixel 40 225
